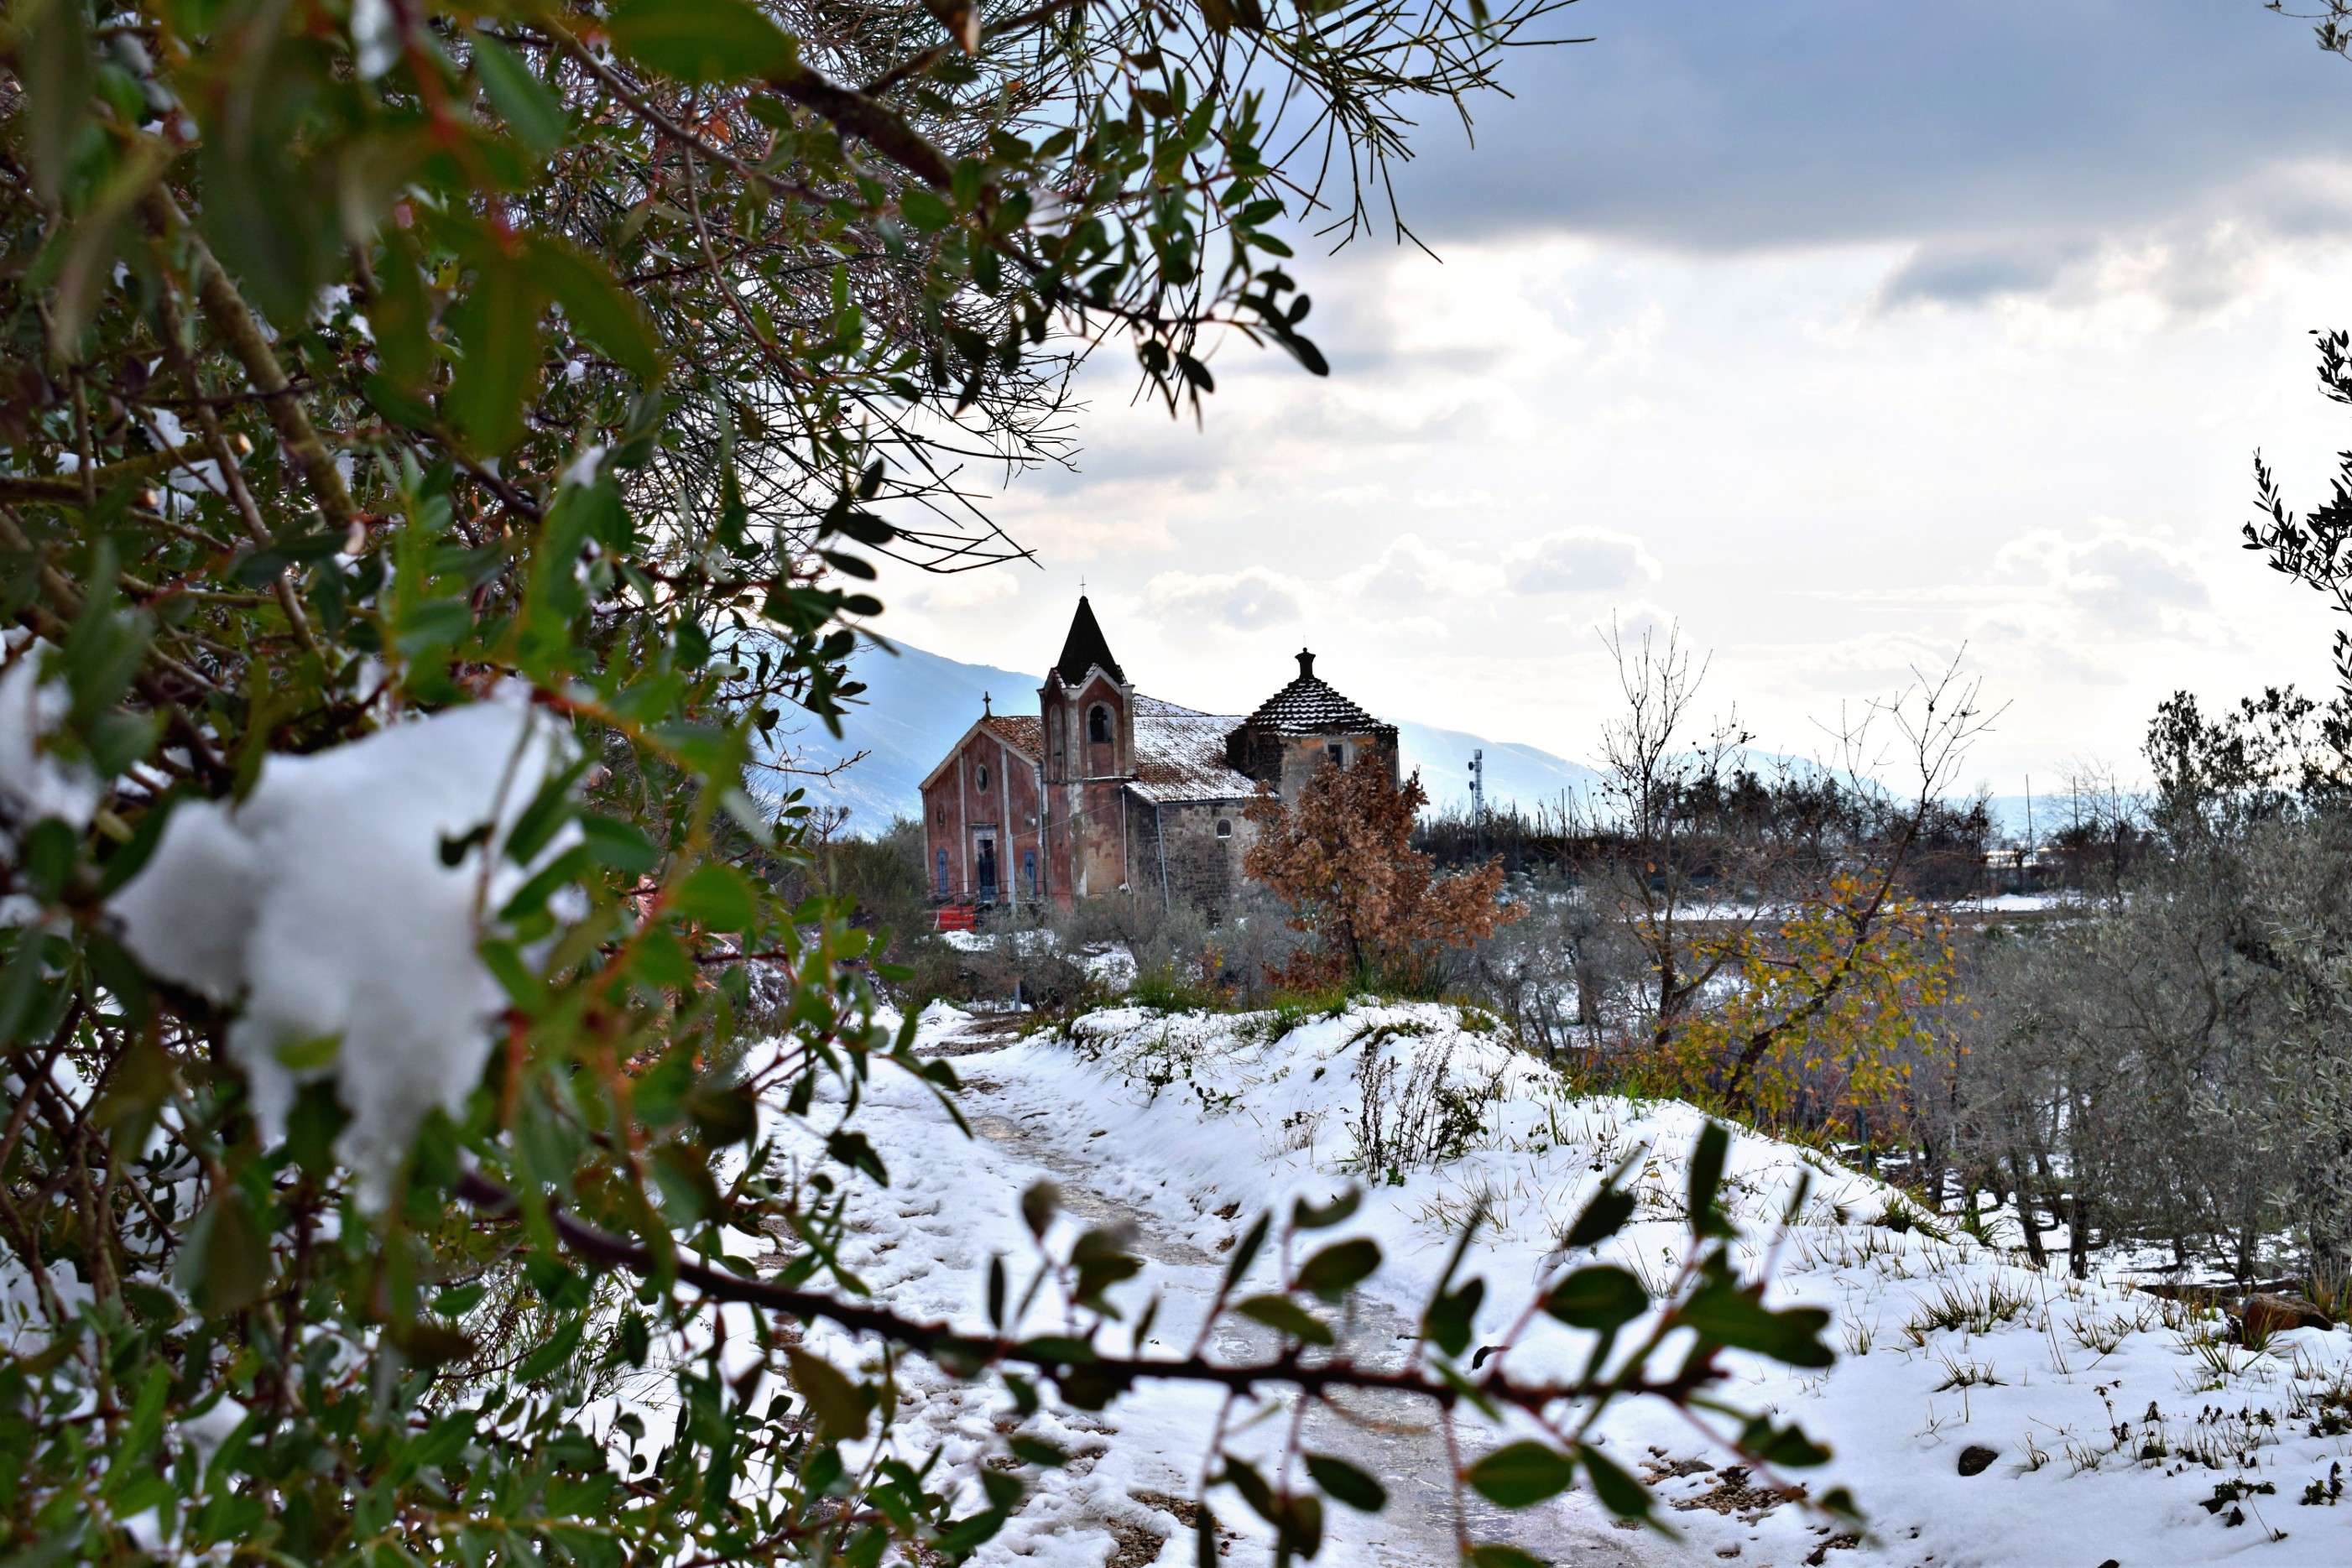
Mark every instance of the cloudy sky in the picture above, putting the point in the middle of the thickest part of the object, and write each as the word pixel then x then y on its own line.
pixel 1847 335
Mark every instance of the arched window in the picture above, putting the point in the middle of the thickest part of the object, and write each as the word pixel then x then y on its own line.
pixel 980 775
pixel 943 873
pixel 1056 725
pixel 1029 871
pixel 1224 827
pixel 1098 725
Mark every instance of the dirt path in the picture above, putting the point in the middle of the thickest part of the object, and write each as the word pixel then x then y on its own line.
pixel 1393 1437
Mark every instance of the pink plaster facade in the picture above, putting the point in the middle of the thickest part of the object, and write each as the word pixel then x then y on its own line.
pixel 982 811
pixel 1107 791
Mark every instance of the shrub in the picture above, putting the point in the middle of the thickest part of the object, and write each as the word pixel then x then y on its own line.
pixel 1340 859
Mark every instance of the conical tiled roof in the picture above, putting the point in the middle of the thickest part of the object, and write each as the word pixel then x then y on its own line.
pixel 1085 648
pixel 1308 705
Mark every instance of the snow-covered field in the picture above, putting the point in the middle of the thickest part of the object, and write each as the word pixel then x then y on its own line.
pixel 2112 1415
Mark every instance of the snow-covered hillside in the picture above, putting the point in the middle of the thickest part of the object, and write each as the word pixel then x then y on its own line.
pixel 2111 1417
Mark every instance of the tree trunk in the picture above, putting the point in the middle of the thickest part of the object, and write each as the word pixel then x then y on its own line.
pixel 2026 1217
pixel 1666 1010
pixel 2058 1207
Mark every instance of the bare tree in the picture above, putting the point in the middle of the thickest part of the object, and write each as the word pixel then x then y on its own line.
pixel 1767 899
pixel 1925 731
pixel 1667 884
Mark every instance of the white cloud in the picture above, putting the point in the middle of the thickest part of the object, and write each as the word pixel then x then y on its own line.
pixel 967 591
pixel 1580 561
pixel 1413 572
pixel 1823 493
pixel 2039 652
pixel 1626 625
pixel 2110 578
pixel 1876 665
pixel 2184 267
pixel 1247 601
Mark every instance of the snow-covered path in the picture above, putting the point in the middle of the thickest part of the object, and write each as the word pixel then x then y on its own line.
pixel 1392 1438
pixel 2112 1418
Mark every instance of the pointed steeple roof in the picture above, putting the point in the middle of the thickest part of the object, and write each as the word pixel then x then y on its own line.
pixel 1084 648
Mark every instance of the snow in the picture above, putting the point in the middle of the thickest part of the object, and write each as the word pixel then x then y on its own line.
pixel 325 901
pixel 25 1317
pixel 1187 1126
pixel 1113 963
pixel 2024 903
pixel 375 28
pixel 1310 706
pixel 206 1431
pixel 582 474
pixel 200 477
pixel 1030 941
pixel 34 783
pixel 1180 755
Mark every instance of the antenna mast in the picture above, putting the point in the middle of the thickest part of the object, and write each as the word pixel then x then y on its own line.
pixel 1478 801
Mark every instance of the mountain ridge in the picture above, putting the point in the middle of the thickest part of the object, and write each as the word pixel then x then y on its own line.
pixel 917 704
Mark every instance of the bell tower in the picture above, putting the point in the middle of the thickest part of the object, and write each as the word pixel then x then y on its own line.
pixel 1088 706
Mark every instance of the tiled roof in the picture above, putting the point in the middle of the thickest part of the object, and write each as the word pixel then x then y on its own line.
pixel 1025 733
pixel 1308 705
pixel 1084 648
pixel 1179 755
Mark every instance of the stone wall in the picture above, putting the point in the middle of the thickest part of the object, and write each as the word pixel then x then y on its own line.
pixel 1176 847
pixel 1287 760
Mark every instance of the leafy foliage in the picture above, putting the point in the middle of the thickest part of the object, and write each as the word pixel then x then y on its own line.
pixel 1831 1011
pixel 2166 1067
pixel 369 364
pixel 1340 857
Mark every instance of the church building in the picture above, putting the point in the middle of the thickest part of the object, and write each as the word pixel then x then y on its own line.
pixel 1108 790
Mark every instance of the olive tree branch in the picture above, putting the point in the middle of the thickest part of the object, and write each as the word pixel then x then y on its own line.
pixel 1058 1359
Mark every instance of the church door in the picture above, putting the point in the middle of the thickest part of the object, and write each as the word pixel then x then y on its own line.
pixel 984 866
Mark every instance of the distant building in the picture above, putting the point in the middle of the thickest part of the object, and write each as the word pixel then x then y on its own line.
pixel 1108 790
